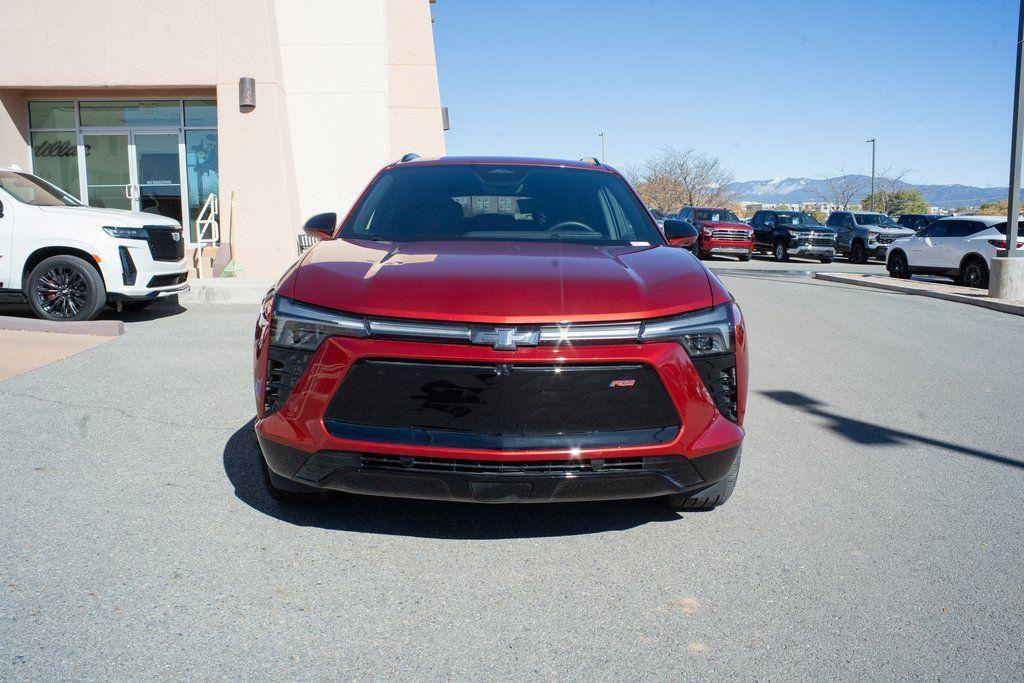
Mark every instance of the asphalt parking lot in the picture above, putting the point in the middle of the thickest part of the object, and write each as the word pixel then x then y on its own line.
pixel 876 530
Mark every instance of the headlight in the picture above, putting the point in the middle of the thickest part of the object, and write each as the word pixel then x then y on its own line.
pixel 872 235
pixel 701 333
pixel 300 326
pixel 127 233
pixel 796 234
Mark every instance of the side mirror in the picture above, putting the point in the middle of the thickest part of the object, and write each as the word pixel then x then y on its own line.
pixel 321 225
pixel 680 233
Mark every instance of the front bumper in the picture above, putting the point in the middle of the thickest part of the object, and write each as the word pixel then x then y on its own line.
pixel 506 482
pixel 725 247
pixel 798 249
pixel 304 448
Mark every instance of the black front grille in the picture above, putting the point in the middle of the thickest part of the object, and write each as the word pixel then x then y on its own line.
pixel 502 406
pixel 167 280
pixel 284 367
pixel 719 375
pixel 128 271
pixel 162 243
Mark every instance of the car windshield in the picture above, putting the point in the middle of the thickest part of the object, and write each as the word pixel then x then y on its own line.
pixel 716 215
pixel 501 202
pixel 876 219
pixel 798 218
pixel 29 189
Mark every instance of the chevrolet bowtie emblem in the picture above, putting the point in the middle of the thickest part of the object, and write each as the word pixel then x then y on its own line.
pixel 506 338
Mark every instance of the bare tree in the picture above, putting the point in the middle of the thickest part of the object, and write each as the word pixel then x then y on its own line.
pixel 841 189
pixel 674 178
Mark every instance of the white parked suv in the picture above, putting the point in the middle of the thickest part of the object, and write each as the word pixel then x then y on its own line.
pixel 961 248
pixel 68 260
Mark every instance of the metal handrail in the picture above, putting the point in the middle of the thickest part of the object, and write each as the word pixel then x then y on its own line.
pixel 207 229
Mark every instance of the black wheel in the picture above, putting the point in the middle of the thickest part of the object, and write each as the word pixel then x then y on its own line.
pixel 285 491
pixel 743 257
pixel 66 288
pixel 709 498
pixel 827 259
pixel 697 251
pixel 858 254
pixel 974 273
pixel 781 250
pixel 898 266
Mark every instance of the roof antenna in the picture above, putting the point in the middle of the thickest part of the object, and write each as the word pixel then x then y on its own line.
pixel 408 157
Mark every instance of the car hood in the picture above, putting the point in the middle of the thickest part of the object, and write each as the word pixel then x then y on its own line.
pixel 501 282
pixel 891 232
pixel 117 217
pixel 725 224
pixel 821 229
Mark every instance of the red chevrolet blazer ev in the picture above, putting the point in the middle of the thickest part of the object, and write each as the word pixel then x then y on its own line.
pixel 500 330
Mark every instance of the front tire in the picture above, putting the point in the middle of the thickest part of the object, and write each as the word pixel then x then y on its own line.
pixel 858 253
pixel 781 251
pixel 744 257
pixel 826 259
pixel 898 266
pixel 66 289
pixel 974 273
pixel 709 498
pixel 698 252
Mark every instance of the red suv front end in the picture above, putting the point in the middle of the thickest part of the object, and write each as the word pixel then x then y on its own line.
pixel 722 233
pixel 500 330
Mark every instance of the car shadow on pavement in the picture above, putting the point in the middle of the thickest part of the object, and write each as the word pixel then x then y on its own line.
pixel 870 434
pixel 432 519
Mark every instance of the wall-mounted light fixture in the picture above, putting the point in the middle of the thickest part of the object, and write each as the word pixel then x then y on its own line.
pixel 246 94
pixel 445 123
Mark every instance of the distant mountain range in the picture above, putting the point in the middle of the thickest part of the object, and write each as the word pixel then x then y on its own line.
pixel 795 190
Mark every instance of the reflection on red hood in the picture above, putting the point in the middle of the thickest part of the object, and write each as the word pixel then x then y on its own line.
pixel 500 282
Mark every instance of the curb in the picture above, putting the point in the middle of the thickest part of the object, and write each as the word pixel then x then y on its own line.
pixel 1001 305
pixel 102 328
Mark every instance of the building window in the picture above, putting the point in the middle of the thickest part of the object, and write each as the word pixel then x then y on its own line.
pixel 130 113
pixel 55 158
pixel 483 204
pixel 504 204
pixel 201 172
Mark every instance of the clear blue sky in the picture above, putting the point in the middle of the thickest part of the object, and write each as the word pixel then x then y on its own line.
pixel 773 87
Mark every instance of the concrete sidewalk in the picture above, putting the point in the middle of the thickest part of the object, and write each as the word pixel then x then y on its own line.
pixel 225 290
pixel 937 290
pixel 23 350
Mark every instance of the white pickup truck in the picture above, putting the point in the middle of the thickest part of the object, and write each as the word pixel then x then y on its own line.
pixel 68 260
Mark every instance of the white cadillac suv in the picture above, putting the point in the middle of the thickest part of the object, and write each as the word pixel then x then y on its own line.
pixel 68 260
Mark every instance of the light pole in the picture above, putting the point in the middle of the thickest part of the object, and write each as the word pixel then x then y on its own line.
pixel 871 201
pixel 601 135
pixel 1007 276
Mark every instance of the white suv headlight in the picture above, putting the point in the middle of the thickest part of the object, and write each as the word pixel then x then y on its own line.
pixel 127 233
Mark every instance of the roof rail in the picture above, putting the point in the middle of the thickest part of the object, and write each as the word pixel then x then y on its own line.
pixel 408 157
pixel 591 160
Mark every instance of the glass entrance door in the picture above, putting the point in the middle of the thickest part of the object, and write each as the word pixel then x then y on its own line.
pixel 158 173
pixel 108 175
pixel 137 171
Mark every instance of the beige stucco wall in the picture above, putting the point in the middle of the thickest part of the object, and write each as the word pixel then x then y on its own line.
pixel 343 87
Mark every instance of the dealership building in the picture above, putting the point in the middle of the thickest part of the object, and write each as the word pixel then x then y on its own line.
pixel 253 113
